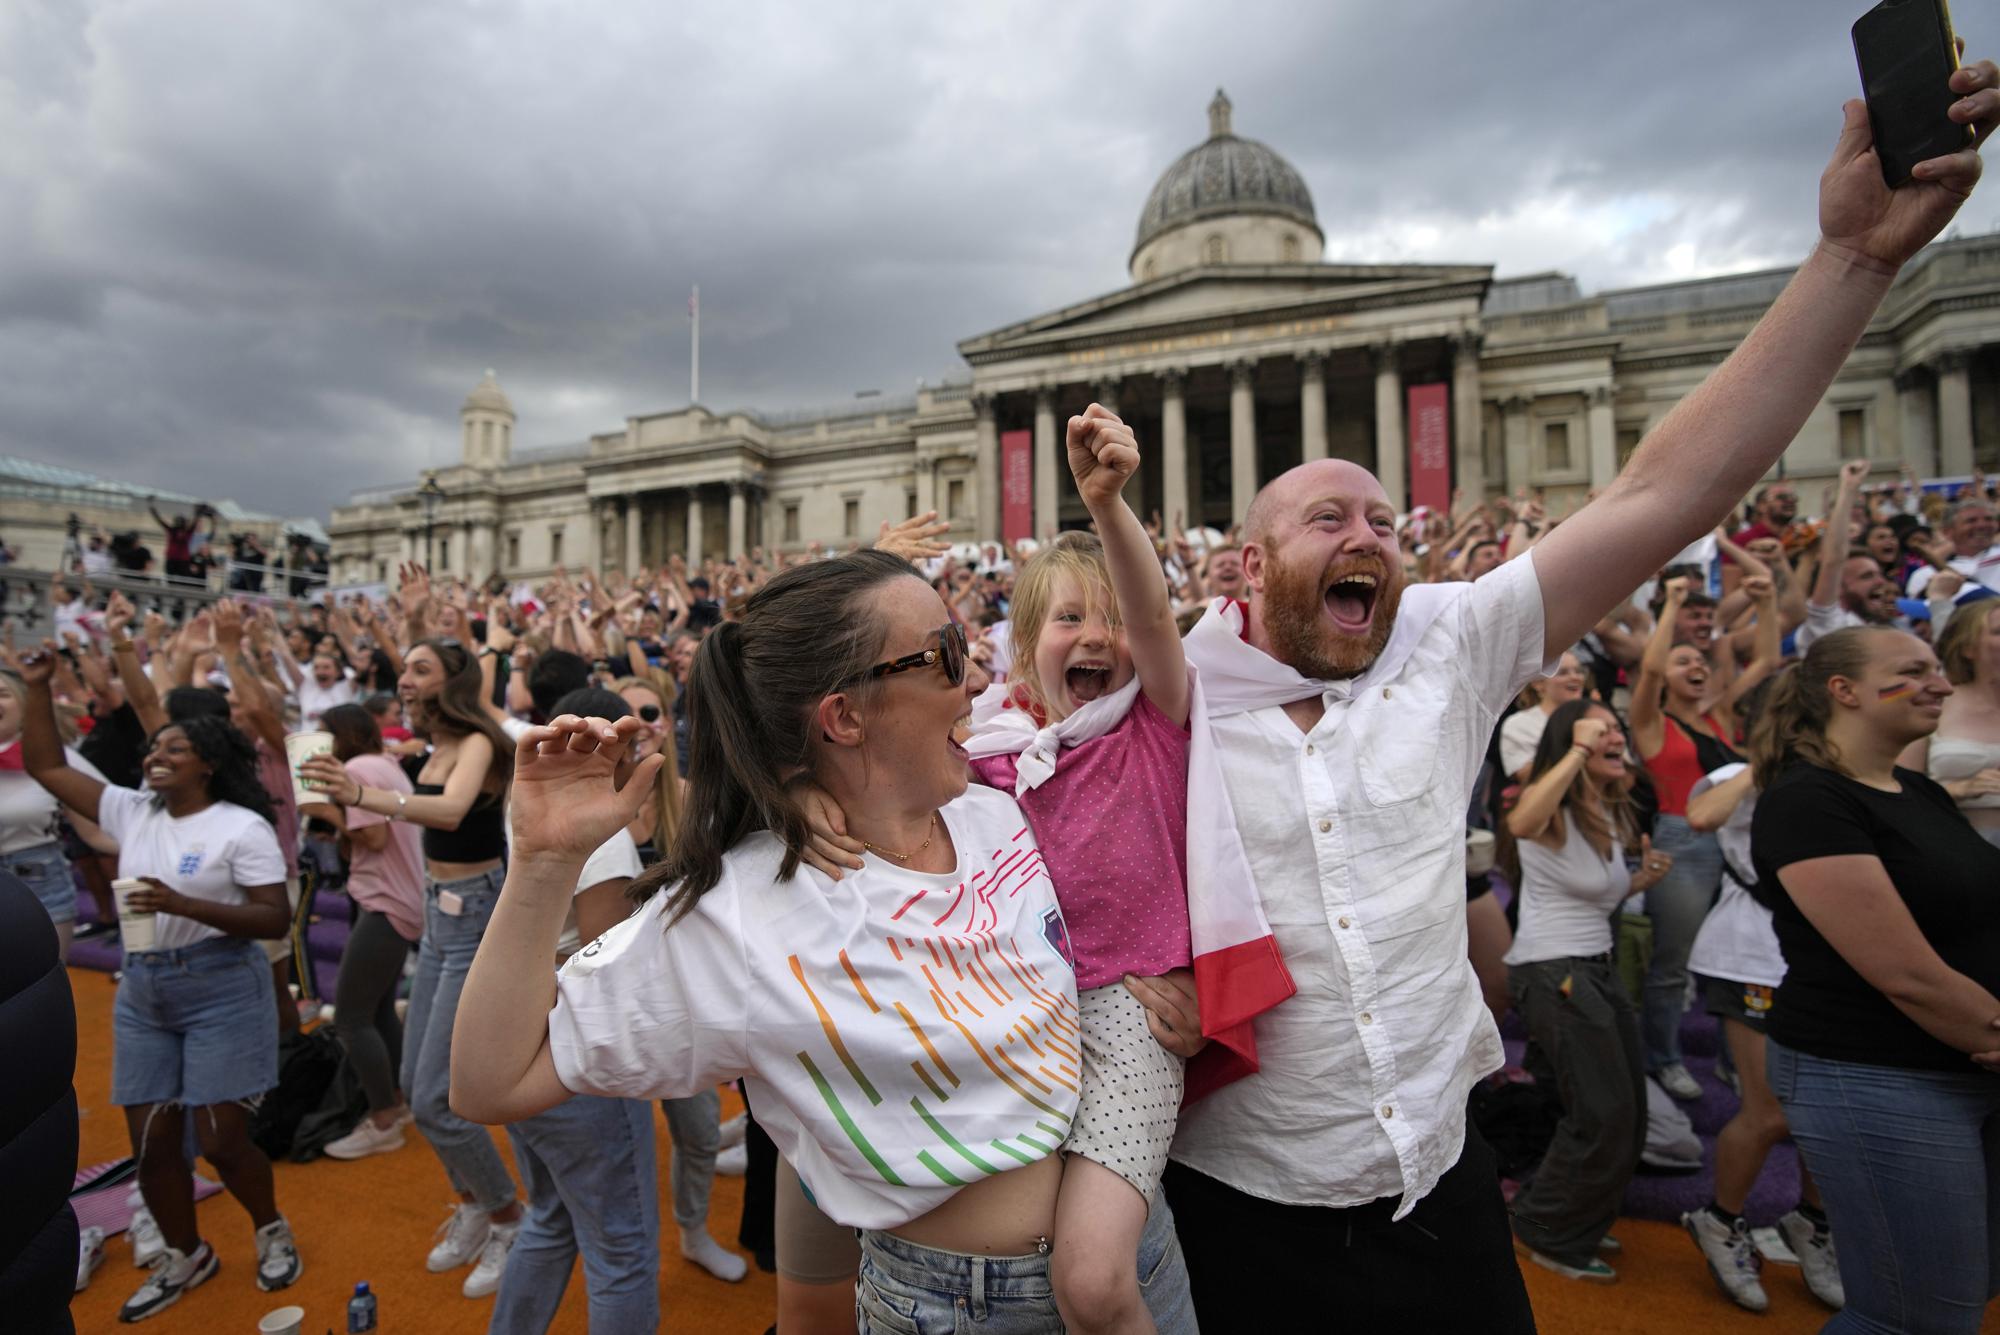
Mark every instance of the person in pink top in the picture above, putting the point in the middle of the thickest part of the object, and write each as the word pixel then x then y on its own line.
pixel 1091 737
pixel 385 879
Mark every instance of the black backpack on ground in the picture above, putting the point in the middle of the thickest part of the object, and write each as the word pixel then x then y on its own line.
pixel 317 1099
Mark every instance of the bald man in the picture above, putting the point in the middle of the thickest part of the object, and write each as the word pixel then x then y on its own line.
pixel 1341 1183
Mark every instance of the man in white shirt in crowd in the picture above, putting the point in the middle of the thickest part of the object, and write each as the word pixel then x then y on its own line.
pixel 1341 1184
pixel 1970 525
pixel 1850 589
pixel 327 684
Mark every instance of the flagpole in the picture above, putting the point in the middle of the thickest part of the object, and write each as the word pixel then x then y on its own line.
pixel 694 347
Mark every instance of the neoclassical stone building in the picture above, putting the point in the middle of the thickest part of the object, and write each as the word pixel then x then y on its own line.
pixel 1236 352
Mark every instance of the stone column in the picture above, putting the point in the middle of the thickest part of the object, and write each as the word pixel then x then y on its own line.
pixel 1954 415
pixel 1515 426
pixel 694 528
pixel 1918 419
pixel 1105 391
pixel 1242 439
pixel 628 525
pixel 1603 438
pixel 464 552
pixel 739 518
pixel 1049 466
pixel 1312 406
pixel 583 548
pixel 1467 422
pixel 1173 449
pixel 1390 464
pixel 986 468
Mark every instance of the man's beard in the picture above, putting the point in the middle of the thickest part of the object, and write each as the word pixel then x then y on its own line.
pixel 1302 634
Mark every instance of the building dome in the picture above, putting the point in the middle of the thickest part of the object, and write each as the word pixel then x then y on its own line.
pixel 488 396
pixel 1228 177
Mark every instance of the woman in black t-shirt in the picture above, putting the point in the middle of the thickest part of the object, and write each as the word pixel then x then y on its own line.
pixel 1885 1035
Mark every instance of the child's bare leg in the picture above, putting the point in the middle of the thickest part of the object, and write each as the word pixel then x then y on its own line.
pixel 1095 1263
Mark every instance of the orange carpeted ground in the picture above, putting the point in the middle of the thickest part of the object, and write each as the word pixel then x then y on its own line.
pixel 373 1219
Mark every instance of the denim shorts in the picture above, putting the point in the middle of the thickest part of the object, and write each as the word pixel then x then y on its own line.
pixel 194 1026
pixel 44 869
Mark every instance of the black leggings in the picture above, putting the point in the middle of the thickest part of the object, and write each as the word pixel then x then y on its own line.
pixel 364 1005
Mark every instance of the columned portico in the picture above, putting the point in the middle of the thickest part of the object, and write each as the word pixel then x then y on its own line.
pixel 1466 415
pixel 986 450
pixel 1242 439
pixel 1173 446
pixel 694 527
pixel 1312 406
pixel 1049 465
pixel 739 517
pixel 1603 438
pixel 1954 414
pixel 1389 449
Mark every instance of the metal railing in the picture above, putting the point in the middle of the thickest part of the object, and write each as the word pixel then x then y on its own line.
pixel 25 601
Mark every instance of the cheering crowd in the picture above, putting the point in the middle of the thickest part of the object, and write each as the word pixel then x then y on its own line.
pixel 1090 925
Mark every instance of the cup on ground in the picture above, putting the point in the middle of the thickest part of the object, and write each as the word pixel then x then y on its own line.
pixel 284 1321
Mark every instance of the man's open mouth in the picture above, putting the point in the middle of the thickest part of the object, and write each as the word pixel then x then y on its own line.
pixel 1350 601
pixel 1088 681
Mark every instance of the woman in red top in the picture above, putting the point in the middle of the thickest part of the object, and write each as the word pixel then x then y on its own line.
pixel 1679 742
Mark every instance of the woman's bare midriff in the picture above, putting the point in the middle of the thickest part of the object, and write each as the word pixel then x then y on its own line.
pixel 1983 818
pixel 458 871
pixel 1007 1215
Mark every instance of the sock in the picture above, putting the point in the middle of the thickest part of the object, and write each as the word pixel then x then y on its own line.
pixel 1732 1220
pixel 1813 1215
pixel 711 1256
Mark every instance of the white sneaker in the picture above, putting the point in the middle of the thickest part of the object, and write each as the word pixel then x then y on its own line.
pixel 710 1255
pixel 144 1234
pixel 463 1234
pixel 89 1255
pixel 367 1138
pixel 1731 1258
pixel 1678 1081
pixel 733 1132
pixel 1814 1248
pixel 733 1162
pixel 485 1277
pixel 278 1263
pixel 173 1274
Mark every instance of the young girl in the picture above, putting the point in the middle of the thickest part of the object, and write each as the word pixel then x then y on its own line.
pixel 1091 737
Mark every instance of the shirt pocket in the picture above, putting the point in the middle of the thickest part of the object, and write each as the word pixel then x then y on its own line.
pixel 1400 731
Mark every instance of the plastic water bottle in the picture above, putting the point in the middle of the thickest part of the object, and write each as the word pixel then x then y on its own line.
pixel 360 1309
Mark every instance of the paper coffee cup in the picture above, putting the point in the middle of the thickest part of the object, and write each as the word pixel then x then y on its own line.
pixel 299 748
pixel 135 926
pixel 284 1321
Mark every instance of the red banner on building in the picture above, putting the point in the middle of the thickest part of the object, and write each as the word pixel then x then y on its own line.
pixel 1017 487
pixel 1430 446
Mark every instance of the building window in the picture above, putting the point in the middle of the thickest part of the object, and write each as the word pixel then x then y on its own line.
pixel 513 551
pixel 1289 248
pixel 444 553
pixel 850 518
pixel 555 546
pixel 1853 433
pixel 954 493
pixel 381 572
pixel 1555 447
pixel 909 505
pixel 791 521
pixel 1215 250
pixel 1628 442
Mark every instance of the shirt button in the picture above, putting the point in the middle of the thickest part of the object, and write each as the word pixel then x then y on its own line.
pixel 1325 826
pixel 1387 1112
pixel 1366 1018
pixel 1385 692
pixel 1309 748
pixel 1343 922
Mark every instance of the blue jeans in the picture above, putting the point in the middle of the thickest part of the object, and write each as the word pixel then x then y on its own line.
pixel 696 1126
pixel 1676 905
pixel 1908 1163
pixel 470 1158
pixel 45 870
pixel 592 1186
pixel 193 1025
pixel 905 1289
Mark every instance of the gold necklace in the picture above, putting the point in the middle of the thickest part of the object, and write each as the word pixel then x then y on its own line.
pixel 903 858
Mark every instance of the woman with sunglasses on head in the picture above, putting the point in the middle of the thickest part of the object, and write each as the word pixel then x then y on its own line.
pixel 1884 1044
pixel 907 1032
pixel 459 799
pixel 192 1033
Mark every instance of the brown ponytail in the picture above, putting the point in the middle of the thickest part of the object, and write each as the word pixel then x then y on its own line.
pixel 750 700
pixel 1793 724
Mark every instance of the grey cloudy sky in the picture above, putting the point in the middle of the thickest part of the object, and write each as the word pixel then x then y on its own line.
pixel 263 250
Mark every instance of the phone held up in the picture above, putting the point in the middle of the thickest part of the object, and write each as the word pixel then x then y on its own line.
pixel 1907 54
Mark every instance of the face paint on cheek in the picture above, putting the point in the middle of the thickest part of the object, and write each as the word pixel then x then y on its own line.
pixel 1896 692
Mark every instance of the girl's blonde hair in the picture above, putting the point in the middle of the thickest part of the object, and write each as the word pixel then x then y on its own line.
pixel 666 792
pixel 1958 647
pixel 66 716
pixel 1076 554
pixel 1793 725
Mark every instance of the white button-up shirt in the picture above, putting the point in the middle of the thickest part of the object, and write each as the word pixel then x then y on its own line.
pixel 1355 833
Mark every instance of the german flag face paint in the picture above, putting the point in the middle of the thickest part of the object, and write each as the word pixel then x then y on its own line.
pixel 1896 691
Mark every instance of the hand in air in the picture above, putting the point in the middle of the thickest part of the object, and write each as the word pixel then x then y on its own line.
pixel 915 539
pixel 1862 218
pixel 566 799
pixel 1588 732
pixel 1103 453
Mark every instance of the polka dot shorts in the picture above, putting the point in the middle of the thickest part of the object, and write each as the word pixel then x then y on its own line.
pixel 1131 1090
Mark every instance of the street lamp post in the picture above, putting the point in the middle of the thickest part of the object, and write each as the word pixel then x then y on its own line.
pixel 430 494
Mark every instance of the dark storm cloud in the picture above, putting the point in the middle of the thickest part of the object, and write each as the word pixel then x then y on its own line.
pixel 263 251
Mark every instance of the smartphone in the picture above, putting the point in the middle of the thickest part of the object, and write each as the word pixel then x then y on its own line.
pixel 1906 54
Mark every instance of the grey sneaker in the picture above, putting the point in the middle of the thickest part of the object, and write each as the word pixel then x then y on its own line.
pixel 1731 1258
pixel 89 1255
pixel 278 1264
pixel 485 1277
pixel 1814 1248
pixel 144 1234
pixel 1594 1272
pixel 173 1274
pixel 1678 1081
pixel 463 1235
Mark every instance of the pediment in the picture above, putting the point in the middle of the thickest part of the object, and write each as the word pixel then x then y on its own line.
pixel 1217 296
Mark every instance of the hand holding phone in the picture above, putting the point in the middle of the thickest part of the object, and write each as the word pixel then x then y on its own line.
pixel 1907 53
